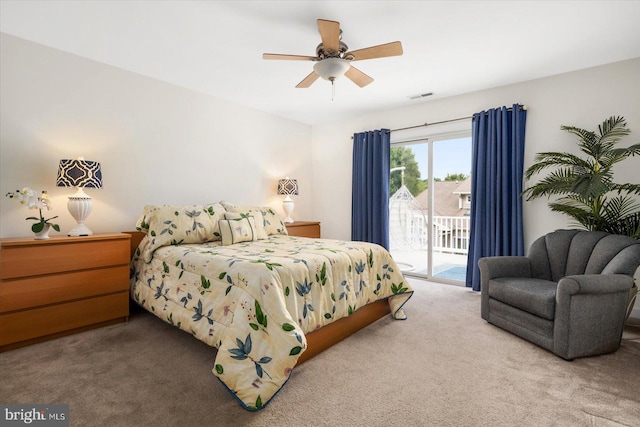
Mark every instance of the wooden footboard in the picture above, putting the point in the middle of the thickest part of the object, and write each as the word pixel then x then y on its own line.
pixel 325 337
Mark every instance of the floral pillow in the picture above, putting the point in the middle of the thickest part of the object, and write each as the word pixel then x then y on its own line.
pixel 273 223
pixel 177 225
pixel 143 221
pixel 237 230
pixel 258 219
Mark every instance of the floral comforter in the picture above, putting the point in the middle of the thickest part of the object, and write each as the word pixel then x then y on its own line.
pixel 255 301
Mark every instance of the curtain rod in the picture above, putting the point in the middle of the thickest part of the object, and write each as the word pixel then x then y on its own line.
pixel 524 107
pixel 430 124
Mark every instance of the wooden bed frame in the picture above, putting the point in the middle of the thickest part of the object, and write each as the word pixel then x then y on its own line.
pixel 323 338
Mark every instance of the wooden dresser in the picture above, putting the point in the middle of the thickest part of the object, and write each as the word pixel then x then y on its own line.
pixel 60 286
pixel 304 229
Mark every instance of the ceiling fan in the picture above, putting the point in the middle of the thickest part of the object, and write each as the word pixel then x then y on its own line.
pixel 333 58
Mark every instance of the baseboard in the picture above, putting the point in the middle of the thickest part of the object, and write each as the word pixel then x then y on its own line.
pixel 635 313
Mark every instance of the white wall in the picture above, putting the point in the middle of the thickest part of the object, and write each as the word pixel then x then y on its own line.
pixel 157 143
pixel 583 98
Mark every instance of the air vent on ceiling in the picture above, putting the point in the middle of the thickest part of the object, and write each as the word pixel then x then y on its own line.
pixel 422 95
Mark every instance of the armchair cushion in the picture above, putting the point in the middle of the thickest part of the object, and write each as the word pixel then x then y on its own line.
pixel 535 296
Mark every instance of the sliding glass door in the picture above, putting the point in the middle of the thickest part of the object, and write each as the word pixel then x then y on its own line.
pixel 429 208
pixel 408 216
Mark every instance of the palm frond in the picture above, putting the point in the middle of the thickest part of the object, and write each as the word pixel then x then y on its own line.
pixel 560 181
pixel 555 159
pixel 618 207
pixel 597 145
pixel 618 154
pixel 586 137
pixel 581 215
pixel 627 226
pixel 577 201
pixel 611 157
pixel 629 188
pixel 613 128
pixel 588 141
pixel 633 150
pixel 592 185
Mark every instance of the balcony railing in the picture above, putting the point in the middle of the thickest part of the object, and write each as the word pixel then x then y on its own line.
pixel 451 234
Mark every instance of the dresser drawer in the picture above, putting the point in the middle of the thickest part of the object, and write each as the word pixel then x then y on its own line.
pixel 62 255
pixel 27 324
pixel 62 285
pixel 29 292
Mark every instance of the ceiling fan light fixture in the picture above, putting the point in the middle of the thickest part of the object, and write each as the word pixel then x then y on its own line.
pixel 333 58
pixel 331 68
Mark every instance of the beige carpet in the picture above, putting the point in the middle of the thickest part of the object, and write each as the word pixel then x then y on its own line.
pixel 444 366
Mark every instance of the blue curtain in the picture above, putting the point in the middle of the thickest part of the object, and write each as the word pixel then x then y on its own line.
pixel 370 199
pixel 496 185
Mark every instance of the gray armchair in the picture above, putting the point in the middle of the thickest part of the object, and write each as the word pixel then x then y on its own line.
pixel 569 295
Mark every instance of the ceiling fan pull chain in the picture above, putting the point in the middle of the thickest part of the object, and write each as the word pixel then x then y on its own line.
pixel 333 88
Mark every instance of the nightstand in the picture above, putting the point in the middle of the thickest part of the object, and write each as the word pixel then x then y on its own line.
pixel 304 229
pixel 60 286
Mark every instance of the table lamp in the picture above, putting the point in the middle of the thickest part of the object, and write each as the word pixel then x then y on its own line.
pixel 288 187
pixel 79 173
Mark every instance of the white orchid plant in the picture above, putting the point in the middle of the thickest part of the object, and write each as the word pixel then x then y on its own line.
pixel 38 201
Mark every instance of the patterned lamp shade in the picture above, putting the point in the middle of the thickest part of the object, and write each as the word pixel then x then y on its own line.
pixel 288 187
pixel 79 173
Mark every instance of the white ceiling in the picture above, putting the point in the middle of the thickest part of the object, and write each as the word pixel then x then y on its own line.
pixel 450 47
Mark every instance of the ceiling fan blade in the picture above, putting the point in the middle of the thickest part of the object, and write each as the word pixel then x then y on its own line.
pixel 330 34
pixel 358 77
pixel 289 57
pixel 380 51
pixel 308 81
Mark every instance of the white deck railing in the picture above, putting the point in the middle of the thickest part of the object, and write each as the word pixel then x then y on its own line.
pixel 451 234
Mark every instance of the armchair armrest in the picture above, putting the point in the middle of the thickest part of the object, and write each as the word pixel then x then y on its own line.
pixel 594 284
pixel 590 313
pixel 504 266
pixel 499 266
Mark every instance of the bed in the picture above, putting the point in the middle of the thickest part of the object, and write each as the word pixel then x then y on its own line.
pixel 234 279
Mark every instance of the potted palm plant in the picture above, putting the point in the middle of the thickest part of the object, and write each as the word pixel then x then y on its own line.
pixel 588 193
